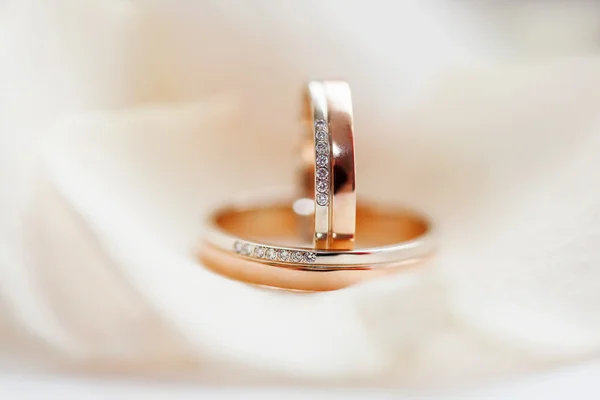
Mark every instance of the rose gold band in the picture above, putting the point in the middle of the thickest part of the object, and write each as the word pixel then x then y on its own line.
pixel 257 273
pixel 328 173
pixel 257 242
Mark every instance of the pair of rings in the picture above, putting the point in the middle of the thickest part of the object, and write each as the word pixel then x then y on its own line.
pixel 319 238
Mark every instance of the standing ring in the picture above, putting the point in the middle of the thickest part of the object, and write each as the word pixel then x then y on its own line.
pixel 328 170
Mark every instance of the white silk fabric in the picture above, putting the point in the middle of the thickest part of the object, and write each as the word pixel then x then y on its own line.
pixel 123 123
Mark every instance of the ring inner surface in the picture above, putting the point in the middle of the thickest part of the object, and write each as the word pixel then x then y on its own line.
pixel 280 225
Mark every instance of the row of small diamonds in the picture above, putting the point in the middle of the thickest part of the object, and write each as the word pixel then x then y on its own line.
pixel 274 253
pixel 322 160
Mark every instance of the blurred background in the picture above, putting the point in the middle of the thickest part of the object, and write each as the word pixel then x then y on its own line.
pixel 123 122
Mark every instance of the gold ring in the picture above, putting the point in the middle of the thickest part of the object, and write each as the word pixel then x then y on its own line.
pixel 328 171
pixel 257 241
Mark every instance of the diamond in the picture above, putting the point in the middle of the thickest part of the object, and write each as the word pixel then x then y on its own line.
pixel 297 256
pixel 259 252
pixel 310 257
pixel 322 147
pixel 238 246
pixel 322 186
pixel 322 161
pixel 320 124
pixel 247 249
pixel 284 255
pixel 322 173
pixel 271 254
pixel 322 199
pixel 322 135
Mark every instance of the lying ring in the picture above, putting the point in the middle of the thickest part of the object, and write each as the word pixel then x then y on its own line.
pixel 256 241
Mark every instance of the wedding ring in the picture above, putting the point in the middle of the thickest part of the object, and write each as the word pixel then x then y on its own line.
pixel 328 171
pixel 256 241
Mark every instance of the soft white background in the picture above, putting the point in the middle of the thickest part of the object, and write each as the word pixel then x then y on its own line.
pixel 123 122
